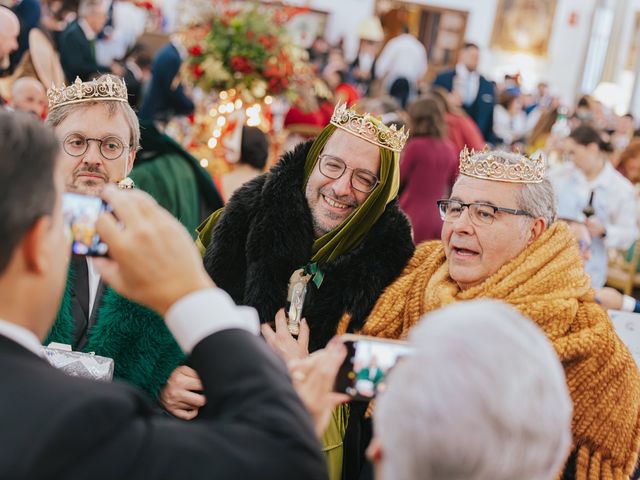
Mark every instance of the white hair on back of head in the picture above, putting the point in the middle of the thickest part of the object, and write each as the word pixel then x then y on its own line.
pixel 483 397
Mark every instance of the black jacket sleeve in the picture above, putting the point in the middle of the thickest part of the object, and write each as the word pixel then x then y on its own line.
pixel 254 425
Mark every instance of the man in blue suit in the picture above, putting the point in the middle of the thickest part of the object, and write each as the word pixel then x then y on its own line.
pixel 77 42
pixel 477 94
pixel 164 98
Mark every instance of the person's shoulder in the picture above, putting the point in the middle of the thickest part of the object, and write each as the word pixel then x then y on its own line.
pixel 619 181
pixel 72 30
pixel 446 74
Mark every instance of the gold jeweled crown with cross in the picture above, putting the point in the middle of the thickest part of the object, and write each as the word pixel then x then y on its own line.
pixel 502 166
pixel 107 87
pixel 369 128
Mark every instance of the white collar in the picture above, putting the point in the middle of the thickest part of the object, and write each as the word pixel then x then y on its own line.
pixel 21 336
pixel 88 31
pixel 462 70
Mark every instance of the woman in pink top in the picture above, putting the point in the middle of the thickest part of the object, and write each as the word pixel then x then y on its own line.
pixel 428 168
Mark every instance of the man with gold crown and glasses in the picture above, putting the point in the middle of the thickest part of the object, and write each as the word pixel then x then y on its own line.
pixel 99 136
pixel 322 234
pixel 500 240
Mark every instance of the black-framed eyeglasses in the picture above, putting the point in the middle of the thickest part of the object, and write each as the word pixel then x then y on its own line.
pixel 111 147
pixel 333 167
pixel 479 213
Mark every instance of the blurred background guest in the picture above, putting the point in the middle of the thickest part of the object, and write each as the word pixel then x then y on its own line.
pixel 477 93
pixel 253 158
pixel 461 129
pixel 428 168
pixel 362 68
pixel 400 65
pixel 28 95
pixel 78 43
pixel 589 184
pixel 28 13
pixel 9 31
pixel 166 95
pixel 509 119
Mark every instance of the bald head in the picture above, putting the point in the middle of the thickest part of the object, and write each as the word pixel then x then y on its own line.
pixel 9 30
pixel 29 95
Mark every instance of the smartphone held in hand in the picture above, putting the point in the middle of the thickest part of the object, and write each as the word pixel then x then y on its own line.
pixel 368 361
pixel 80 215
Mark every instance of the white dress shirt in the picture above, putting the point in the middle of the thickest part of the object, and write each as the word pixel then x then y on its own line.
pixel 466 84
pixel 94 282
pixel 614 204
pixel 403 56
pixel 190 320
pixel 21 336
pixel 509 128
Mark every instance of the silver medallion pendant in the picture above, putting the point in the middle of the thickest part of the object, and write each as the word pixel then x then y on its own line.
pixel 295 299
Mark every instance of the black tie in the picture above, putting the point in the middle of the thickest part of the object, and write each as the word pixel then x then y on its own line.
pixel 81 294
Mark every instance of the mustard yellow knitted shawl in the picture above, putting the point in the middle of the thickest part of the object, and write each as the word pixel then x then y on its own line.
pixel 547 283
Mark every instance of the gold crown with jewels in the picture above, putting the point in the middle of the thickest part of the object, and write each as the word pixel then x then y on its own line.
pixel 106 87
pixel 369 128
pixel 502 166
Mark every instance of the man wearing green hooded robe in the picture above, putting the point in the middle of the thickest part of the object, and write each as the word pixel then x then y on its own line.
pixel 328 207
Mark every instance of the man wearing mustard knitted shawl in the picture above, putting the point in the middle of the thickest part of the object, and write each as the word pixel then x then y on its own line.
pixel 499 240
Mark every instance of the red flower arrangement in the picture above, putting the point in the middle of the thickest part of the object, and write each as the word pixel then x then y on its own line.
pixel 248 50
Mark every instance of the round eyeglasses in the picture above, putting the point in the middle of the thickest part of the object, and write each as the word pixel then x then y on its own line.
pixel 479 213
pixel 111 147
pixel 333 167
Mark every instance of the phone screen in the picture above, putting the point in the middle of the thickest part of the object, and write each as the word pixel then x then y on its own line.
pixel 80 215
pixel 368 362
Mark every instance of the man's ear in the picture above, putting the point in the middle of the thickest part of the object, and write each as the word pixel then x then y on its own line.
pixel 537 228
pixel 36 248
pixel 130 158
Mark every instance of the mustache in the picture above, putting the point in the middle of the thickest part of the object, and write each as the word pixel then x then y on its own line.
pixel 90 169
pixel 346 199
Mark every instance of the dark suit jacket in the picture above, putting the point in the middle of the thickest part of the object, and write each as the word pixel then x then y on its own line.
pixel 56 426
pixel 76 55
pixel 28 12
pixel 481 110
pixel 161 100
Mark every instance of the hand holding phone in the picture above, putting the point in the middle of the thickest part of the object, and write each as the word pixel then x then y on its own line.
pixel 368 361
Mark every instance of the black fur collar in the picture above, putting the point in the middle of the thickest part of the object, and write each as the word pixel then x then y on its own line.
pixel 265 233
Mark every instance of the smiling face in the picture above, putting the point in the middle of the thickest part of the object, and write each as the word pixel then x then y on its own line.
pixel 332 201
pixel 90 172
pixel 476 252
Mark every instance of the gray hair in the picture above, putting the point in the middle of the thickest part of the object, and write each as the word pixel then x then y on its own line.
pixel 87 7
pixel 483 397
pixel 536 198
pixel 539 200
pixel 113 107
